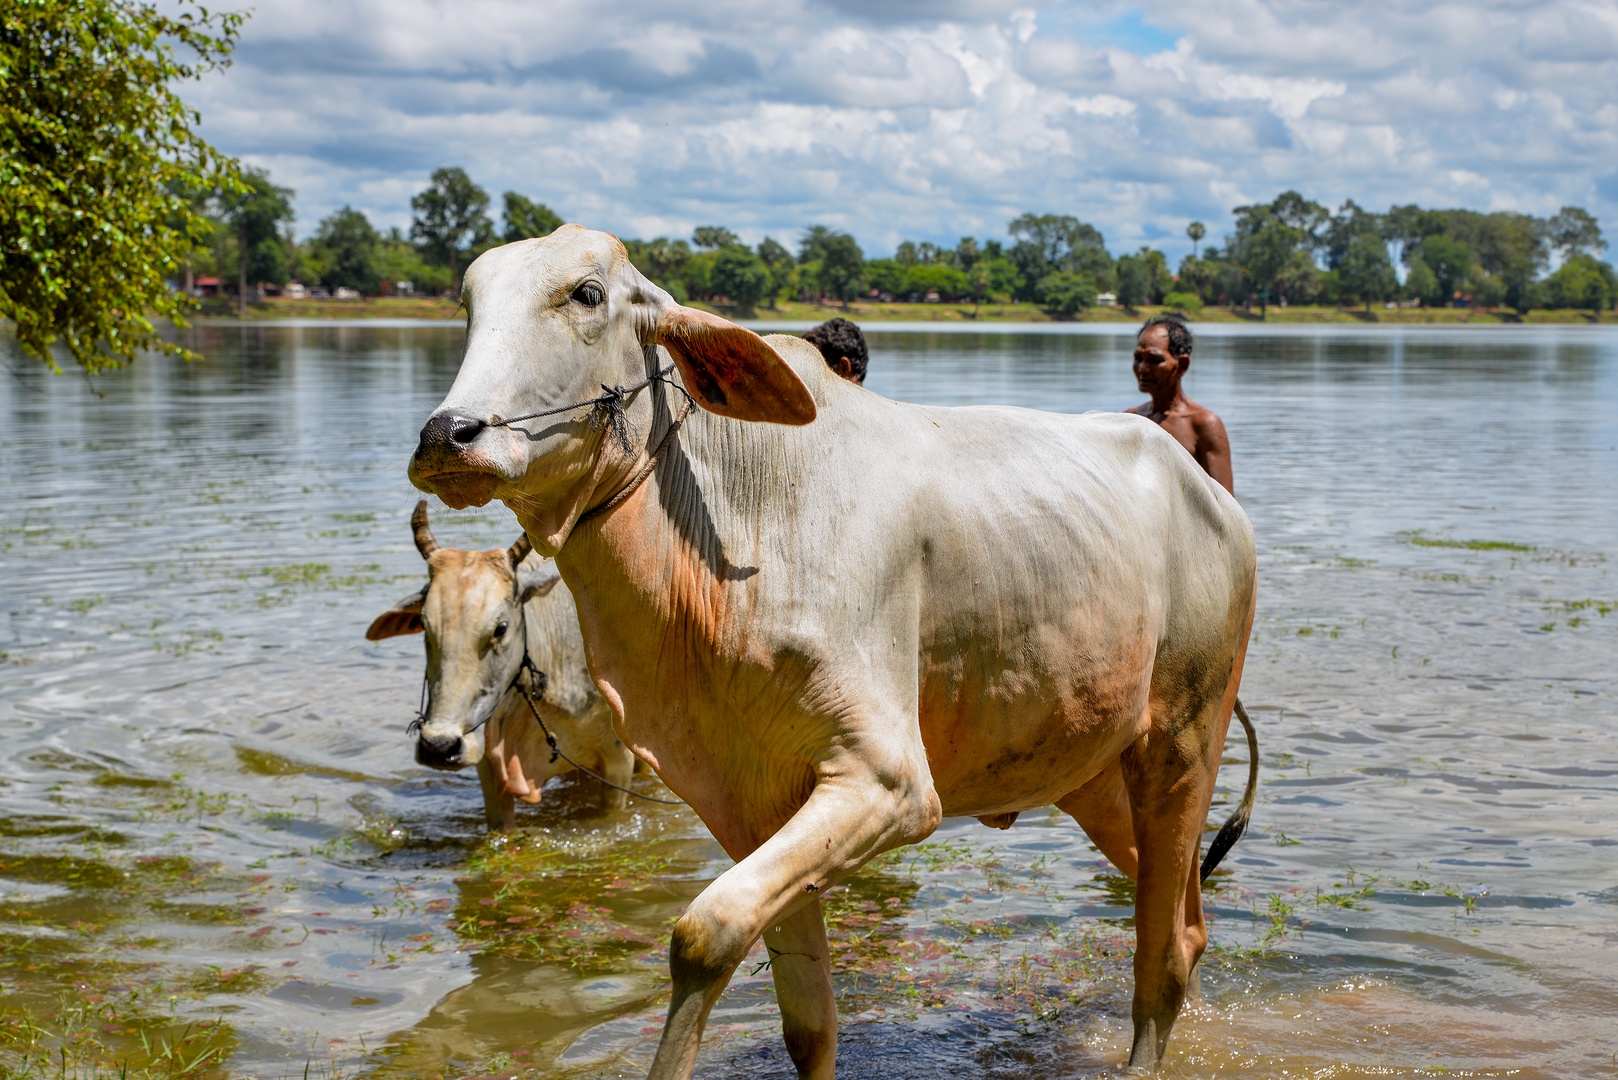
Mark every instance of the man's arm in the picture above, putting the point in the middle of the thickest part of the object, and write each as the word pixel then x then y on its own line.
pixel 1213 449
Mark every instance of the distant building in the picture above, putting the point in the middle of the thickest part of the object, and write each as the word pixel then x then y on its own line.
pixel 205 286
pixel 1107 299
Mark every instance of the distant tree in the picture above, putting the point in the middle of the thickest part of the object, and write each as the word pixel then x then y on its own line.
pixel 840 269
pixel 1582 281
pixel 1194 277
pixel 782 266
pixel 100 163
pixel 1422 284
pixel 1306 216
pixel 1196 231
pixel 1488 291
pixel 1263 247
pixel 1366 271
pixel 712 237
pixel 526 219
pixel 1408 226
pixel 348 247
pixel 1573 231
pixel 1134 286
pixel 397 259
pixel 948 282
pixel 1348 225
pixel 1004 278
pixel 740 276
pixel 906 254
pixel 450 214
pixel 967 253
pixel 1521 287
pixel 1056 235
pixel 255 212
pixel 1063 292
pixel 1451 264
pixel 979 282
pixel 1046 243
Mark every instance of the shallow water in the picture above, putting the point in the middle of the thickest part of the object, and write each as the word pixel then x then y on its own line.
pixel 209 813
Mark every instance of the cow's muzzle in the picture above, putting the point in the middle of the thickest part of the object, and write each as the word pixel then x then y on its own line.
pixel 441 752
pixel 449 463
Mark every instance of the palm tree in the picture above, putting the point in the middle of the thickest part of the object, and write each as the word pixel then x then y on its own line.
pixel 1196 231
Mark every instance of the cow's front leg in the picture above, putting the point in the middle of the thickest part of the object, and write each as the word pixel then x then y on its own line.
pixel 800 960
pixel 499 808
pixel 618 769
pixel 842 825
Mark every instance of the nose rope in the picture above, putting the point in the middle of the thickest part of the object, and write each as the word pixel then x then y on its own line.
pixel 611 401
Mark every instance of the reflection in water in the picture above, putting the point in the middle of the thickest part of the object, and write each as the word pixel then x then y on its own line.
pixel 209 814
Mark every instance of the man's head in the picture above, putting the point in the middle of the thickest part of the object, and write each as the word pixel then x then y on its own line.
pixel 1162 354
pixel 843 346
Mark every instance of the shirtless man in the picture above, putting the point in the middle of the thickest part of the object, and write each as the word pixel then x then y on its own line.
pixel 1162 354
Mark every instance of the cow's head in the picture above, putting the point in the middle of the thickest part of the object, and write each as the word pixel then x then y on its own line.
pixel 472 611
pixel 550 322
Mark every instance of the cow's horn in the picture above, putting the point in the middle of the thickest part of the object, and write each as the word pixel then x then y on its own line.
pixel 519 551
pixel 424 536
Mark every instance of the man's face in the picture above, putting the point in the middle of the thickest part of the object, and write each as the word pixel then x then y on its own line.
pixel 1155 367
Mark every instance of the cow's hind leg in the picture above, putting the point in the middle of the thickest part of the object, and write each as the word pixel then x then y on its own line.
pixel 1101 807
pixel 800 960
pixel 1170 782
pixel 844 823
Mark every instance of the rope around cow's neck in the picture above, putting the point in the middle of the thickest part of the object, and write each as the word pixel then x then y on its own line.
pixel 537 683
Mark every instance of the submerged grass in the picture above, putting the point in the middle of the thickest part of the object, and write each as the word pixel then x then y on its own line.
pixel 1419 539
pixel 104 1037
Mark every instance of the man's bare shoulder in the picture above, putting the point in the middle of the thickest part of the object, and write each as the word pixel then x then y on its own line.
pixel 1204 421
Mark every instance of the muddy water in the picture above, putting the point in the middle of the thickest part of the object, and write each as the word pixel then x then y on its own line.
pixel 212 832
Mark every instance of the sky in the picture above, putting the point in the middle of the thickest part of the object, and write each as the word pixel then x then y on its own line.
pixel 926 119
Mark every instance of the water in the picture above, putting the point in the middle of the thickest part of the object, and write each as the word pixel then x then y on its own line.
pixel 212 831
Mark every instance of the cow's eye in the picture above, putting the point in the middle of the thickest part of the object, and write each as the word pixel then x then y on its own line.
pixel 590 294
pixel 500 629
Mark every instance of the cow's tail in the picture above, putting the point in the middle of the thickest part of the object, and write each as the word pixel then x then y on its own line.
pixel 1233 829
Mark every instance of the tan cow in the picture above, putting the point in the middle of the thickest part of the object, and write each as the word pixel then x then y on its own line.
pixel 481 610
pixel 826 636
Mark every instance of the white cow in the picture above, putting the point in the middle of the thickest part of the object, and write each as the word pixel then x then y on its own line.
pixel 483 612
pixel 828 636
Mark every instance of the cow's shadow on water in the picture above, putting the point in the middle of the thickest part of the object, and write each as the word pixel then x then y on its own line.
pixel 934 1044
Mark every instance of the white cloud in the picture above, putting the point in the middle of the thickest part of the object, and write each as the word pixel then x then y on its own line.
pixel 896 118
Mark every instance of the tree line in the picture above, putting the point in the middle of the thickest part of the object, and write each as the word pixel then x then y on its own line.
pixel 1288 251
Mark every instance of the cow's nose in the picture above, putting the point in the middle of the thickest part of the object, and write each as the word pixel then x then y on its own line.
pixel 439 752
pixel 446 429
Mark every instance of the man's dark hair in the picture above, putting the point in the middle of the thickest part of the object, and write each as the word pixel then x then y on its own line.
pixel 837 338
pixel 1179 332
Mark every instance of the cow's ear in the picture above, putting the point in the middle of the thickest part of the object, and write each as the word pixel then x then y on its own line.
pixel 538 581
pixel 402 618
pixel 730 370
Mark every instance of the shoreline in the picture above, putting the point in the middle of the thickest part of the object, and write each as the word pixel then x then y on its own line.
pixel 427 312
